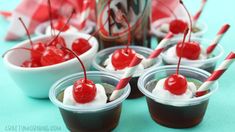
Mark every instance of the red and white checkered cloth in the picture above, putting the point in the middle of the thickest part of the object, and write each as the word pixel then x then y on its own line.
pixel 34 12
pixel 159 11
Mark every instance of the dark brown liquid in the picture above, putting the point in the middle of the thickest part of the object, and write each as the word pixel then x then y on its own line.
pixel 138 18
pixel 175 116
pixel 102 121
pixel 135 92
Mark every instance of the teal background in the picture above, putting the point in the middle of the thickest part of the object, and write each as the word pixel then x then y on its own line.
pixel 17 110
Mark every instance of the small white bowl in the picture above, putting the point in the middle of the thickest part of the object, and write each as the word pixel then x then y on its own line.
pixel 41 28
pixel 36 82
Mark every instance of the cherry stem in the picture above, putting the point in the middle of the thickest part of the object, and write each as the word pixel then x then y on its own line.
pixel 129 30
pixel 168 8
pixel 83 67
pixel 190 19
pixel 63 27
pixel 22 48
pixel 50 15
pixel 97 30
pixel 106 21
pixel 27 31
pixel 181 52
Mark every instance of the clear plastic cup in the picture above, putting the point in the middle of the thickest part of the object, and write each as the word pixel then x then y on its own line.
pixel 104 54
pixel 93 118
pixel 160 35
pixel 183 113
pixel 208 64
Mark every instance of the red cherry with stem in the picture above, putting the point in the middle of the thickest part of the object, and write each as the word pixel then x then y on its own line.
pixel 59 42
pixel 176 83
pixel 68 55
pixel 175 26
pixel 178 26
pixel 37 51
pixel 51 56
pixel 84 90
pixel 58 39
pixel 80 46
pixel 121 58
pixel 60 25
pixel 191 50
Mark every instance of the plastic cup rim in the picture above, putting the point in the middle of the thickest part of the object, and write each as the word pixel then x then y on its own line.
pixel 138 48
pixel 211 59
pixel 110 105
pixel 180 103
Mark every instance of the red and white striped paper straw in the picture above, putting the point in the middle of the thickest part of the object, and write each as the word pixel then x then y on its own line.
pixel 160 47
pixel 6 14
pixel 129 72
pixel 217 39
pixel 84 14
pixel 217 73
pixel 198 14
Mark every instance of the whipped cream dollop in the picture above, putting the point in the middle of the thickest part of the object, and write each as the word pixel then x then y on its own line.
pixel 99 99
pixel 160 92
pixel 164 27
pixel 145 63
pixel 71 29
pixel 170 56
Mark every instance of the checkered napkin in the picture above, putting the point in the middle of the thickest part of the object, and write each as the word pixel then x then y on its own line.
pixel 159 11
pixel 34 12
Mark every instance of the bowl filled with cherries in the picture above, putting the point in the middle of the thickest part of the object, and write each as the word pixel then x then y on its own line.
pixel 35 64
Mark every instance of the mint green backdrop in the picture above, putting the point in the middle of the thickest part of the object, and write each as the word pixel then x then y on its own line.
pixel 17 110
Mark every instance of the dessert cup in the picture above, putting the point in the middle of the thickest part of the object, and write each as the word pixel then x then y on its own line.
pixel 41 28
pixel 36 82
pixel 205 64
pixel 93 118
pixel 160 35
pixel 104 54
pixel 181 113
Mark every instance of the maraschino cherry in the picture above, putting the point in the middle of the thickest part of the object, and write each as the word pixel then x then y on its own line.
pixel 176 83
pixel 36 50
pixel 80 46
pixel 51 56
pixel 60 24
pixel 176 26
pixel 121 58
pixel 191 49
pixel 84 90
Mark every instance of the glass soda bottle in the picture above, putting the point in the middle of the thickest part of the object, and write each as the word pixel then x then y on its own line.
pixel 115 32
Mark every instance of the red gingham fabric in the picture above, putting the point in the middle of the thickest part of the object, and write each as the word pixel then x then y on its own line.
pixel 34 12
pixel 159 11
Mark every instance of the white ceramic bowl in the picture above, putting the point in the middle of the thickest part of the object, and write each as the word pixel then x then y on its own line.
pixel 36 82
pixel 41 28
